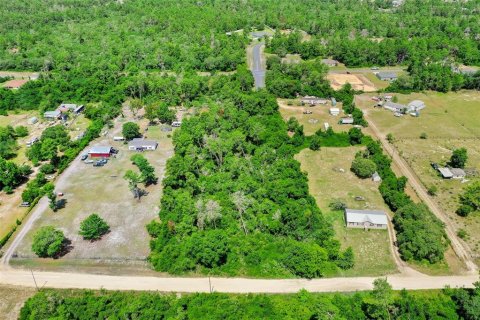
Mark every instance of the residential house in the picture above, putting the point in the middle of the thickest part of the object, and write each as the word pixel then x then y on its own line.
pixel 386 76
pixel 457 173
pixel 313 100
pixel 373 219
pixel 395 107
pixel 416 105
pixel 142 144
pixel 330 62
pixel 52 115
pixel 446 173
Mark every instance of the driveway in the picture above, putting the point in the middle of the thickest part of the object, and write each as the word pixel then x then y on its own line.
pixel 258 66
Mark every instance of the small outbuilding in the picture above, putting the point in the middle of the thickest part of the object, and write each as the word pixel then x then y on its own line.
pixel 312 100
pixel 386 75
pixel 446 173
pixel 32 120
pixel 376 177
pixel 374 219
pixel 416 105
pixel 100 152
pixel 142 144
pixel 347 120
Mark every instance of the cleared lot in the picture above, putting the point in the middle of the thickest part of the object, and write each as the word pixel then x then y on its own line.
pixel 327 182
pixel 12 299
pixel 358 81
pixel 103 190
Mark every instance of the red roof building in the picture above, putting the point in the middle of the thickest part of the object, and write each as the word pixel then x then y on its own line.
pixel 15 83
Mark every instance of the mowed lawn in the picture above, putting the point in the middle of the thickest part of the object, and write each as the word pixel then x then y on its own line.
pixel 315 121
pixel 373 256
pixel 103 190
pixel 453 115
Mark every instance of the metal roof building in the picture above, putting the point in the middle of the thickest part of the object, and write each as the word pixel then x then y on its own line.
pixel 375 219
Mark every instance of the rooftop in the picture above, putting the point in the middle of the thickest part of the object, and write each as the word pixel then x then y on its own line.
pixel 15 83
pixel 386 74
pixel 138 142
pixel 416 103
pixel 445 172
pixel 360 216
pixel 100 149
pixel 394 105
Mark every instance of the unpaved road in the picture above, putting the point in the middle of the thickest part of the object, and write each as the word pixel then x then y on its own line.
pixel 232 285
pixel 413 180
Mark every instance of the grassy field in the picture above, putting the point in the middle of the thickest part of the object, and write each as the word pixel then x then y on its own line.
pixel 450 121
pixel 319 113
pixel 103 190
pixel 12 299
pixel 373 256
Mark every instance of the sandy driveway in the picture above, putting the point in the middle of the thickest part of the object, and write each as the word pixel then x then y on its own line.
pixel 413 180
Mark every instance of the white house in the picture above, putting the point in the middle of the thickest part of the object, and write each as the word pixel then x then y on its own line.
pixel 141 144
pixel 334 111
pixel 374 219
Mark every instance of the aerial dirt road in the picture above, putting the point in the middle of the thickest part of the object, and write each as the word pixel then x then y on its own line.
pixel 413 180
pixel 232 285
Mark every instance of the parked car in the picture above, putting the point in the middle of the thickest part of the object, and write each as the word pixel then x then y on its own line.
pixel 60 194
pixel 307 112
pixel 375 68
pixel 25 204
pixel 114 151
pixel 84 156
pixel 98 164
pixel 434 165
pixel 88 161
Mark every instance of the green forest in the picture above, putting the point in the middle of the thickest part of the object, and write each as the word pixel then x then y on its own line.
pixel 380 303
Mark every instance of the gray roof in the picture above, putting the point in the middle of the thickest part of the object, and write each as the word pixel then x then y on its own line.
pixel 347 120
pixel 100 149
pixel 393 105
pixel 141 143
pixel 458 172
pixel 52 114
pixel 416 104
pixel 386 75
pixel 445 172
pixel 360 216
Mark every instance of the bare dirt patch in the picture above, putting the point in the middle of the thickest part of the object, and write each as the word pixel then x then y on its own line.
pixel 358 81
pixel 12 299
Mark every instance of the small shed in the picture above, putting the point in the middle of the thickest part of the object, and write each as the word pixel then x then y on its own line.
pixel 100 152
pixel 416 105
pixel 348 120
pixel 142 144
pixel 376 177
pixel 334 111
pixel 446 173
pixel 374 219
pixel 326 126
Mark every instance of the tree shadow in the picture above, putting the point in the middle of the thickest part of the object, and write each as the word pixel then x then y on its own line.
pixel 66 248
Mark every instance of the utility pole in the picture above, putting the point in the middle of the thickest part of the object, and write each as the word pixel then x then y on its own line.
pixel 210 284
pixel 35 281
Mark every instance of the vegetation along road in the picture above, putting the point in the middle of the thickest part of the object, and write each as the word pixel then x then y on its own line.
pixel 459 249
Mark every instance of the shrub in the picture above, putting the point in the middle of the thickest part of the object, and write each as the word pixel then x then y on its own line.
pixel 459 158
pixel 363 168
pixel 21 131
pixel 462 234
pixel 315 143
pixel 432 190
pixel 93 227
pixel 464 210
pixel 47 168
pixel 48 242
pixel 423 135
pixel 130 130
pixel 337 205
pixel 355 135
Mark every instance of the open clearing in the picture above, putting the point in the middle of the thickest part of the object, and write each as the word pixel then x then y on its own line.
pixel 12 299
pixel 103 190
pixel 358 81
pixel 311 122
pixel 326 182
pixel 450 121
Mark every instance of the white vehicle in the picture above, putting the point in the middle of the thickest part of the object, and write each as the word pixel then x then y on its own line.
pixel 118 138
pixel 176 124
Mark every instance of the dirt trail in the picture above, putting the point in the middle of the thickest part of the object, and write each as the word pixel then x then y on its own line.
pixel 413 180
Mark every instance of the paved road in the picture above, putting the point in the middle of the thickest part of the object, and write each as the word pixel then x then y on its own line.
pixel 258 66
pixel 459 249
pixel 232 285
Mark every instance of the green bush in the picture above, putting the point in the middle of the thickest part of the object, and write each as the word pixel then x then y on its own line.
pixel 48 242
pixel 363 168
pixel 93 227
